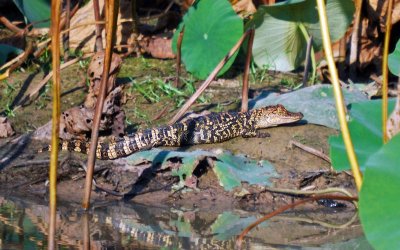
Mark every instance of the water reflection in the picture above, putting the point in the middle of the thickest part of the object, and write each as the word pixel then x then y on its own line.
pixel 121 225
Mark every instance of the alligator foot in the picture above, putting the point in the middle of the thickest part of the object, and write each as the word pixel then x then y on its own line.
pixel 263 135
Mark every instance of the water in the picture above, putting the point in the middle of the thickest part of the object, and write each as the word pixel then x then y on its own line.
pixel 125 225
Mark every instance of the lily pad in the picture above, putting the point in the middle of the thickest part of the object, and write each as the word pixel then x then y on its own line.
pixel 394 60
pixel 379 197
pixel 316 102
pixel 211 29
pixel 230 169
pixel 36 11
pixel 366 133
pixel 279 42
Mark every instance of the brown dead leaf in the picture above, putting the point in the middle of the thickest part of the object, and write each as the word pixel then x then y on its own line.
pixel 5 128
pixel 243 7
pixel 372 32
pixel 76 122
pixel 158 47
pixel 393 123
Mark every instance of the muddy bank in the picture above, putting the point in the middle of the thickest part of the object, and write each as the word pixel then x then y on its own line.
pixel 26 171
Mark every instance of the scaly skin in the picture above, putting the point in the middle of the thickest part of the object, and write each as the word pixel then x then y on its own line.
pixel 212 128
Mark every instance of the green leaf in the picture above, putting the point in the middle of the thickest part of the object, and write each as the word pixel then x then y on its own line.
pixel 279 43
pixel 379 197
pixel 233 170
pixel 366 133
pixel 230 169
pixel 316 102
pixel 394 60
pixel 211 29
pixel 36 11
pixel 6 51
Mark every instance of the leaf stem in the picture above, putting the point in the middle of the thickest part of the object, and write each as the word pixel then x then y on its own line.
pixel 340 106
pixel 313 62
pixel 55 49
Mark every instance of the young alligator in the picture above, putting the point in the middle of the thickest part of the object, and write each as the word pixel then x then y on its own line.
pixel 212 128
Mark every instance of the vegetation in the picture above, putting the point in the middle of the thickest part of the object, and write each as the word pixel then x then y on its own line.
pixel 210 30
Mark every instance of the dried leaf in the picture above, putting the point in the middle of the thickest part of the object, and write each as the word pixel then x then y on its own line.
pixel 5 128
pixel 158 47
pixel 393 124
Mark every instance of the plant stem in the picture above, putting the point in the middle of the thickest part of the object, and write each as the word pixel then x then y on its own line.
pixel 98 46
pixel 340 106
pixel 207 82
pixel 111 20
pixel 313 62
pixel 55 48
pixel 354 40
pixel 245 88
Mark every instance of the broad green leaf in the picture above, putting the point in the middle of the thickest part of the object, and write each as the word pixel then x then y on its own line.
pixel 233 170
pixel 316 103
pixel 230 169
pixel 211 29
pixel 366 133
pixel 379 197
pixel 394 60
pixel 279 43
pixel 6 51
pixel 36 11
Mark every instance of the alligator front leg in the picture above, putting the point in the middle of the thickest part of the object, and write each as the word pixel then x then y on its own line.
pixel 254 133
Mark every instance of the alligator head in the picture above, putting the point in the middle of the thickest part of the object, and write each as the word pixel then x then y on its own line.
pixel 275 115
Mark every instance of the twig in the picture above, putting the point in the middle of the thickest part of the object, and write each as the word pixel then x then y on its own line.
pixel 98 40
pixel 67 24
pixel 10 25
pixel 110 29
pixel 158 116
pixel 12 61
pixel 29 163
pixel 36 89
pixel 207 82
pixel 21 60
pixel 284 208
pixel 355 39
pixel 310 150
pixel 245 87
pixel 178 57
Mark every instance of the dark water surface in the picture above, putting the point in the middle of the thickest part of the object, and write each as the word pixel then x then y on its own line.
pixel 125 225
